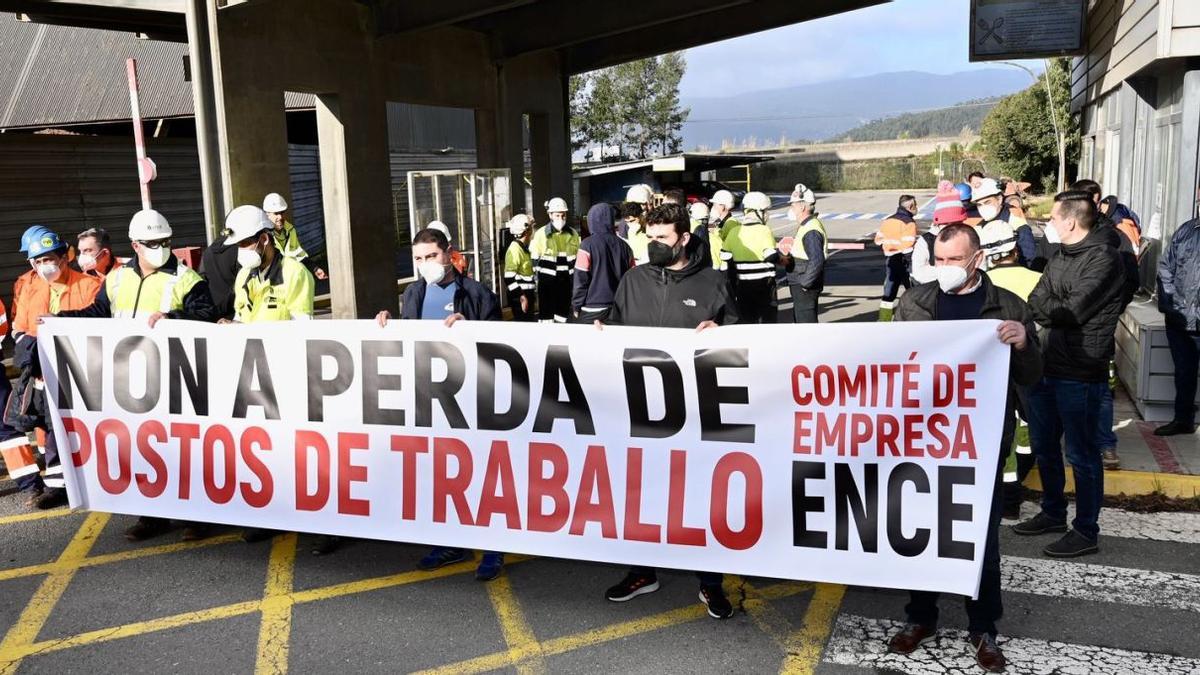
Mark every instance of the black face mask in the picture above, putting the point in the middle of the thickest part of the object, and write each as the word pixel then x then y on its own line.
pixel 662 255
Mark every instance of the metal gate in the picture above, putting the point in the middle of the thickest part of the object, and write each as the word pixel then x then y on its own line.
pixel 474 204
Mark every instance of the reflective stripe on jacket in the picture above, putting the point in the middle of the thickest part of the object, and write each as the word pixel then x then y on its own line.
pixel 284 291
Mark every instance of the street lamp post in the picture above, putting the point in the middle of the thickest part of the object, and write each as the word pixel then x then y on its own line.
pixel 1058 132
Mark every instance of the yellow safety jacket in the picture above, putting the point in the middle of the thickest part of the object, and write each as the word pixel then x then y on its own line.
pixel 554 251
pixel 749 245
pixel 287 243
pixel 518 268
pixel 281 292
pixel 639 244
pixel 810 225
pixel 132 295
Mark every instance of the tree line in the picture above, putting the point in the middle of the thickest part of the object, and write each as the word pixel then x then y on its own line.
pixel 629 111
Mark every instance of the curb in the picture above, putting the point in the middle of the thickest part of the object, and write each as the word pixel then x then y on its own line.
pixel 1134 483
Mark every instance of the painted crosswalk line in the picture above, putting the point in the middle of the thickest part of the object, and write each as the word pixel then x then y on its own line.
pixel 861 641
pixel 1165 526
pixel 1100 583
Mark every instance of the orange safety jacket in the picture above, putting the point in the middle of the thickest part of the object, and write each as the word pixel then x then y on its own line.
pixel 35 298
pixel 897 234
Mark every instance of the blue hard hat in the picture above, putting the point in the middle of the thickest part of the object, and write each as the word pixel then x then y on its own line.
pixel 36 230
pixel 964 191
pixel 45 242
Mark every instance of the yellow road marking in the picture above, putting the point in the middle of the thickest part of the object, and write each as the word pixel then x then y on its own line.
pixel 803 650
pixel 37 515
pixel 107 558
pixel 35 614
pixel 769 620
pixel 518 635
pixel 561 645
pixel 276 630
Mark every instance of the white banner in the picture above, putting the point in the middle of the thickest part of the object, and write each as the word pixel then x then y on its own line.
pixel 852 453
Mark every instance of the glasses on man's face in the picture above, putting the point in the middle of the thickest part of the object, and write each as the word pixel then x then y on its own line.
pixel 157 244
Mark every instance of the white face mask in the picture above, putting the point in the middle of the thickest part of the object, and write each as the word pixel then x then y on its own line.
pixel 951 278
pixel 156 257
pixel 249 258
pixel 559 222
pixel 48 271
pixel 988 212
pixel 1052 234
pixel 432 271
pixel 87 262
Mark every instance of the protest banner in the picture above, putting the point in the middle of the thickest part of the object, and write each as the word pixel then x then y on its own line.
pixel 858 454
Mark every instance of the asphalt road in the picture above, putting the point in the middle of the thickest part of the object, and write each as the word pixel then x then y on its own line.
pixel 75 597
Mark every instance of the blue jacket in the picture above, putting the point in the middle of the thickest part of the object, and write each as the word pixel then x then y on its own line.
pixel 602 261
pixel 471 299
pixel 1179 278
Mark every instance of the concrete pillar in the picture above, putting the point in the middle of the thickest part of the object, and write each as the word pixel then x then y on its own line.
pixel 207 143
pixel 487 139
pixel 360 232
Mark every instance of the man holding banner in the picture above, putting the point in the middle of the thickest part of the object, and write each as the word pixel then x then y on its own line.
pixel 442 294
pixel 963 292
pixel 677 289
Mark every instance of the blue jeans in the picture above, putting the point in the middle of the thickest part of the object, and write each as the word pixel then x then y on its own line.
pixel 1065 412
pixel 1105 436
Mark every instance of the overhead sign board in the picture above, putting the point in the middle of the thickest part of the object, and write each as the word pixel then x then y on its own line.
pixel 1027 29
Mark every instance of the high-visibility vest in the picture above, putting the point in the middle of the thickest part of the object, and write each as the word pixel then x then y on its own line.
pixel 554 251
pixel 749 244
pixel 896 236
pixel 716 247
pixel 282 292
pixel 518 268
pixel 813 224
pixel 131 295
pixel 288 243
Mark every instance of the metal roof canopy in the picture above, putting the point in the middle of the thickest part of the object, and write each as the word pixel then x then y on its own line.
pixel 686 161
pixel 625 31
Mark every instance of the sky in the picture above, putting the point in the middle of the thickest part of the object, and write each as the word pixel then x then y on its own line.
pixel 922 35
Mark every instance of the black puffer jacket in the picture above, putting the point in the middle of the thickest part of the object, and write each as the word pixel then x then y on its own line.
pixel 1080 299
pixel 661 298
pixel 1025 367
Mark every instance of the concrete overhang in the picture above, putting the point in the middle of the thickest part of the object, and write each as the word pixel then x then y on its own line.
pixel 686 161
pixel 587 37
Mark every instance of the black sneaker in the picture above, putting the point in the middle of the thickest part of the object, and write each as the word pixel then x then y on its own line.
pixel 326 544
pixel 147 527
pixel 1175 428
pixel 52 498
pixel 718 605
pixel 1039 524
pixel 632 586
pixel 1072 545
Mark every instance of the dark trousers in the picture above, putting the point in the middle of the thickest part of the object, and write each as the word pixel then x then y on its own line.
pixel 804 304
pixel 707 579
pixel 898 270
pixel 591 315
pixel 1064 413
pixel 29 481
pixel 1185 352
pixel 554 297
pixel 983 613
pixel 1015 492
pixel 756 303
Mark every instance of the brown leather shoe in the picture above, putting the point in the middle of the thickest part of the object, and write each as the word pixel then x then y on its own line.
pixel 910 637
pixel 987 652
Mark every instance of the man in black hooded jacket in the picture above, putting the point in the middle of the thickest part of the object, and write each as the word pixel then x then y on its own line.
pixel 677 289
pixel 602 260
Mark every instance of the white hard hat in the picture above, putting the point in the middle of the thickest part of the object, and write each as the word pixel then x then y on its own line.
pixel 639 194
pixel 988 187
pixel 756 201
pixel 274 203
pixel 440 227
pixel 997 239
pixel 723 197
pixel 698 210
pixel 245 222
pixel 149 225
pixel 518 224
pixel 556 205
pixel 801 193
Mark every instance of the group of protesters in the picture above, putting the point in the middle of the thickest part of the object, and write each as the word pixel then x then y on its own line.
pixel 658 261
